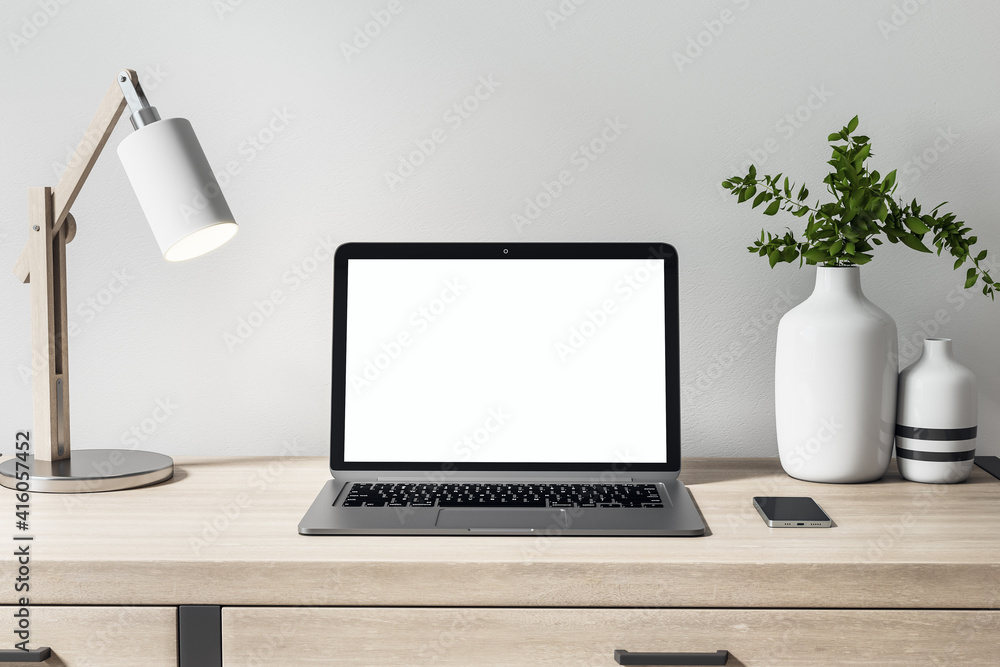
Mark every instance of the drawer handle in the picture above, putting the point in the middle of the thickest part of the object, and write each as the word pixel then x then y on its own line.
pixel 34 655
pixel 626 658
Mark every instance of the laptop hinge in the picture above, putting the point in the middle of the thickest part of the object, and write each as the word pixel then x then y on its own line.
pixel 503 477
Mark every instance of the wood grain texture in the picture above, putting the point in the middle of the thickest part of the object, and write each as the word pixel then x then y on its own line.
pixel 22 266
pixel 305 637
pixel 84 157
pixel 89 149
pixel 47 258
pixel 102 636
pixel 223 531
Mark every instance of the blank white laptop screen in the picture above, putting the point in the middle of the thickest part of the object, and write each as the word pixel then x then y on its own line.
pixel 521 361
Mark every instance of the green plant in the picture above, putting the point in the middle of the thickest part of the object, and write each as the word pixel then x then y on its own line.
pixel 845 232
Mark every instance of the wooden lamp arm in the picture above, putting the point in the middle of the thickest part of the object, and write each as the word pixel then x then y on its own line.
pixel 83 160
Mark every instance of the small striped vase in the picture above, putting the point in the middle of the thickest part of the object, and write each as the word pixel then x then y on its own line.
pixel 936 417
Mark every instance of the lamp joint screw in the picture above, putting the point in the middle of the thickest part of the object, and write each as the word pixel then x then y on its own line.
pixel 36 228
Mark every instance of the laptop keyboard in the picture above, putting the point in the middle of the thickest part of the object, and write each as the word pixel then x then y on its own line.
pixel 502 495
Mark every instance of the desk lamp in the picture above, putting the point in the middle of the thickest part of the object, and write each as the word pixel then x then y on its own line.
pixel 189 216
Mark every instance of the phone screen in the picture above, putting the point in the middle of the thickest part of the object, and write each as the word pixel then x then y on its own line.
pixel 790 508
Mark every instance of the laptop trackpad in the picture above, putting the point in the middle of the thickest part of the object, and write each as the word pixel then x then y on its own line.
pixel 474 518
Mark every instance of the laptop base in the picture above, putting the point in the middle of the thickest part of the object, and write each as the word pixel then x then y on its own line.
pixel 678 518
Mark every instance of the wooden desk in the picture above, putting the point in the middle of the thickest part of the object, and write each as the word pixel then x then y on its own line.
pixel 910 574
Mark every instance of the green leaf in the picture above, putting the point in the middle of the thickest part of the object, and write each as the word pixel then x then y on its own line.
pixel 970 278
pixel 959 262
pixel 856 200
pixel 853 125
pixel 883 212
pixel 835 248
pixel 803 193
pixel 913 242
pixel 752 173
pixel 727 185
pixel 834 137
pixel 788 192
pixel 773 257
pixel 981 256
pixel 746 193
pixel 917 225
pixel 889 181
pixel 814 255
pixel 762 197
pixel 862 258
pixel 850 249
pixel 773 208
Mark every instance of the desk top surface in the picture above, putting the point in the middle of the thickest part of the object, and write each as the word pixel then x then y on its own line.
pixel 223 531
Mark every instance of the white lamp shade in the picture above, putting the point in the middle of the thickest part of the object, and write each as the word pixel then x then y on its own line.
pixel 176 188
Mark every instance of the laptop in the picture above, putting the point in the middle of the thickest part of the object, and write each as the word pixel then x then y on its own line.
pixel 505 389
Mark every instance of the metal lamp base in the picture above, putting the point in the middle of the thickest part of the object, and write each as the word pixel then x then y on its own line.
pixel 91 471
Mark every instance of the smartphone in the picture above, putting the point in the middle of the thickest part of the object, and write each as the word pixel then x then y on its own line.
pixel 791 512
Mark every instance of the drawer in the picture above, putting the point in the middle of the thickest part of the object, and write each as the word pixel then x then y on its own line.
pixel 102 636
pixel 582 637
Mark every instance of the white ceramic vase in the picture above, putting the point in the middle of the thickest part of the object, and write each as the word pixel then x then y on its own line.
pixel 936 417
pixel 836 370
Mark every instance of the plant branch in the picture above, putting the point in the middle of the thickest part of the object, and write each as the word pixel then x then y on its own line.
pixel 846 231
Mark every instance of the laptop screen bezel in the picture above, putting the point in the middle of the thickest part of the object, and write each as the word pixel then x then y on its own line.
pixel 500 251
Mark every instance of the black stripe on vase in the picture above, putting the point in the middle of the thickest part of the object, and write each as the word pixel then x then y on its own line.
pixel 936 433
pixel 937 457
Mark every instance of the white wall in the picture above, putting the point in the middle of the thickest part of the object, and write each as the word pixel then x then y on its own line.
pixel 922 75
